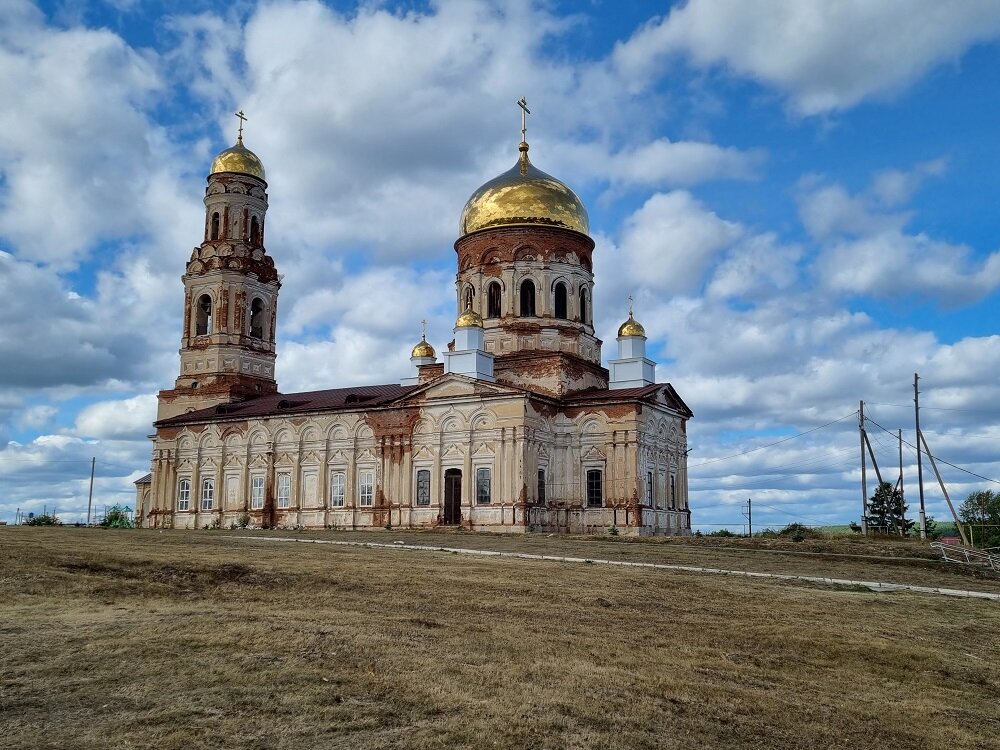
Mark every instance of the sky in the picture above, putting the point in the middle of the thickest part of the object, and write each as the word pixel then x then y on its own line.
pixel 800 195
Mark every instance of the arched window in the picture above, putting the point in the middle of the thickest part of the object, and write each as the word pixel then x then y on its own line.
pixel 254 231
pixel 561 301
pixel 493 300
pixel 583 305
pixel 467 300
pixel 215 225
pixel 527 299
pixel 257 318
pixel 203 323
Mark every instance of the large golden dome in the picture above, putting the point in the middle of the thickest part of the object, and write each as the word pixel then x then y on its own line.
pixel 238 159
pixel 524 195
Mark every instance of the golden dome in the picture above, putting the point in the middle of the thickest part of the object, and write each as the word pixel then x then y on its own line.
pixel 422 350
pixel 238 159
pixel 469 319
pixel 524 195
pixel 631 327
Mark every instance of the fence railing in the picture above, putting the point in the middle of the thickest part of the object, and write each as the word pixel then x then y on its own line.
pixel 959 554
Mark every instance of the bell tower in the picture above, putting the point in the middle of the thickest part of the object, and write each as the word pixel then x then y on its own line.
pixel 230 293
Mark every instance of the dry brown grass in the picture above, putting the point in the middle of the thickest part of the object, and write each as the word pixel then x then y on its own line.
pixel 191 640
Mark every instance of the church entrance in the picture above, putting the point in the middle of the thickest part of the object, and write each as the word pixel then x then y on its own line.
pixel 452 497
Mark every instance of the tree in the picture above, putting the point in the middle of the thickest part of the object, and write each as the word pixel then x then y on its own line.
pixel 981 510
pixel 886 512
pixel 46 519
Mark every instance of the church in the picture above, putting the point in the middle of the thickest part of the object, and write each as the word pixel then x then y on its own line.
pixel 515 427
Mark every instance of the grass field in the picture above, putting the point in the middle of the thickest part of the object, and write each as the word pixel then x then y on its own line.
pixel 140 639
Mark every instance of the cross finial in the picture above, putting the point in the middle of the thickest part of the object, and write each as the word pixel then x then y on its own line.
pixel 523 104
pixel 423 329
pixel 630 305
pixel 243 117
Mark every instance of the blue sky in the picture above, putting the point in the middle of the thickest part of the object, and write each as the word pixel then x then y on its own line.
pixel 800 195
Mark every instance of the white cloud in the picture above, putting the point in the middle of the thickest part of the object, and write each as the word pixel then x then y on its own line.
pixel 894 264
pixel 76 151
pixel 824 56
pixel 662 162
pixel 121 419
pixel 670 242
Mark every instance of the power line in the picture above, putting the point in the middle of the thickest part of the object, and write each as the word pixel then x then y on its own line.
pixel 771 445
pixel 938 458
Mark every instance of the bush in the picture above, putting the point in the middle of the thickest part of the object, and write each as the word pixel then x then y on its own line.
pixel 722 532
pixel 798 532
pixel 117 517
pixel 46 519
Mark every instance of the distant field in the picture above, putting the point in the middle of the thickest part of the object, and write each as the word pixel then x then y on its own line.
pixel 141 639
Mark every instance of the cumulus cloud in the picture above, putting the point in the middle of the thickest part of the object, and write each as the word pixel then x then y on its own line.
pixel 122 419
pixel 670 242
pixel 76 151
pixel 824 56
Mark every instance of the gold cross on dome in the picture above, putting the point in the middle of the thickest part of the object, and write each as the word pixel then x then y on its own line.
pixel 523 104
pixel 630 305
pixel 423 329
pixel 243 118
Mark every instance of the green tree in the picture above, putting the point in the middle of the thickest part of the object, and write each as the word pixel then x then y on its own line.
pixel 46 519
pixel 887 511
pixel 118 517
pixel 981 513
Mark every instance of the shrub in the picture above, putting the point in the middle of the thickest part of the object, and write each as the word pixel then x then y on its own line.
pixel 118 517
pixel 722 532
pixel 46 519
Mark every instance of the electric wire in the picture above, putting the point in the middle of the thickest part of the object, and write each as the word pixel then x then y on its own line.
pixel 938 458
pixel 776 442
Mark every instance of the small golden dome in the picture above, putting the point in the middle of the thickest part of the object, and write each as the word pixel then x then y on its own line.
pixel 631 327
pixel 524 195
pixel 469 319
pixel 238 159
pixel 422 350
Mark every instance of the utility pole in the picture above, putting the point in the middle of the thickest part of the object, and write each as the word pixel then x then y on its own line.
pixel 749 517
pixel 902 496
pixel 90 495
pixel 920 468
pixel 864 474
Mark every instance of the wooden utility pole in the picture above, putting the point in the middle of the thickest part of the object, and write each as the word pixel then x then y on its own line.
pixel 920 467
pixel 902 496
pixel 90 495
pixel 864 470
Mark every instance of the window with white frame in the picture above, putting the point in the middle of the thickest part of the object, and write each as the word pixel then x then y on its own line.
pixel 595 488
pixel 423 487
pixel 207 494
pixel 338 489
pixel 256 492
pixel 284 490
pixel 483 486
pixel 366 488
pixel 184 495
pixel 649 489
pixel 541 486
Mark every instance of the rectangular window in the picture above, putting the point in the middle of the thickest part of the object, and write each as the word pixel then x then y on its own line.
pixel 184 495
pixel 284 490
pixel 423 487
pixel 483 486
pixel 366 488
pixel 256 493
pixel 338 488
pixel 595 488
pixel 541 486
pixel 649 489
pixel 673 498
pixel 207 494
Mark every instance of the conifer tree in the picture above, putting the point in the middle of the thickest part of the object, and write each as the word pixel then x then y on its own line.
pixel 887 511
